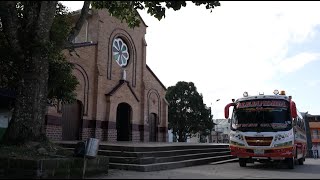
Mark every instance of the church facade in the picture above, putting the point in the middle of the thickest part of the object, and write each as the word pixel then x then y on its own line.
pixel 119 98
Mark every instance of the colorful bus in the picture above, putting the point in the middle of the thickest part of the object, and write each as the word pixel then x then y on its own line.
pixel 267 128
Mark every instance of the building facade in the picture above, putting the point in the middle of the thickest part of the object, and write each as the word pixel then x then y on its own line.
pixel 119 98
pixel 314 131
pixel 222 130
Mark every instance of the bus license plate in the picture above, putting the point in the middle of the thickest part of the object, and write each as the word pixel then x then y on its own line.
pixel 258 151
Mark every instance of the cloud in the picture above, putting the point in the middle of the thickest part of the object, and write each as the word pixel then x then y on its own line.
pixel 313 83
pixel 73 5
pixel 296 62
pixel 240 46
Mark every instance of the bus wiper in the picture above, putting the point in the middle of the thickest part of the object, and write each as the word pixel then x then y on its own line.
pixel 258 128
pixel 258 124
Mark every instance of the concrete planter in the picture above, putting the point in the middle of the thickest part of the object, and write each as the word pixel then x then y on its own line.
pixel 53 167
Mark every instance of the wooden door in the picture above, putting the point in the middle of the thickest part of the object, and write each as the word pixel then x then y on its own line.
pixel 71 121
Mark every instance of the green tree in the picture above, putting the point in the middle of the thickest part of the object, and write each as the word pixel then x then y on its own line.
pixel 206 121
pixel 61 82
pixel 28 31
pixel 187 113
pixel 50 72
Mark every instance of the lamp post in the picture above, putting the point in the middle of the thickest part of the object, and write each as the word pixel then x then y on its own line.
pixel 309 139
pixel 218 132
pixel 210 137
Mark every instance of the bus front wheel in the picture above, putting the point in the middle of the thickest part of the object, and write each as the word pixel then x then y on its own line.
pixel 242 162
pixel 300 161
pixel 290 163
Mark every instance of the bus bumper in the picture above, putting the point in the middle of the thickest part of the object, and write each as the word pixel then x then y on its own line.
pixel 272 153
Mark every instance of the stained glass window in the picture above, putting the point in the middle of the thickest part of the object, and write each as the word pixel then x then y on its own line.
pixel 120 52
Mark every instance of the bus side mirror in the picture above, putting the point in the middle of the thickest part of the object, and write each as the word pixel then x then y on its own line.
pixel 226 109
pixel 293 110
pixel 294 122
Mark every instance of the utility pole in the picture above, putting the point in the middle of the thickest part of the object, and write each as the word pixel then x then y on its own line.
pixel 214 124
pixel 308 133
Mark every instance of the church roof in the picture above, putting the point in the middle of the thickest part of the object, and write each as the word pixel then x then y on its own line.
pixel 122 82
pixel 164 87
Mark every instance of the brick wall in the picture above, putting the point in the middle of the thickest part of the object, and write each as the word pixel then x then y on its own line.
pixel 104 135
pixel 140 133
pixel 163 137
pixel 99 134
pixel 99 74
pixel 166 136
pixel 146 136
pixel 112 135
pixel 54 132
pixel 135 136
pixel 87 133
pixel 162 134
pixel 155 98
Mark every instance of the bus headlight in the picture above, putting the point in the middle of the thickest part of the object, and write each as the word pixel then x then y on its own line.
pixel 280 137
pixel 236 136
pixel 288 143
pixel 236 143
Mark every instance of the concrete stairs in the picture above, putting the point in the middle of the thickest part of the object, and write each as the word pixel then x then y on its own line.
pixel 161 156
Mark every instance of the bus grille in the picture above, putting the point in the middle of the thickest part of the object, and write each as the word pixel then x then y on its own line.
pixel 258 141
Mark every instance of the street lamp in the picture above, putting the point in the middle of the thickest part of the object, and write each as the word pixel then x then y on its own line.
pixel 219 130
pixel 216 101
pixel 210 137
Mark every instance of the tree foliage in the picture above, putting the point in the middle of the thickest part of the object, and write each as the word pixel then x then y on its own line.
pixel 32 36
pixel 187 113
pixel 126 10
pixel 61 82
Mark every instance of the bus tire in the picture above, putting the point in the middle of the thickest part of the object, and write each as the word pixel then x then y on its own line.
pixel 290 163
pixel 242 162
pixel 300 161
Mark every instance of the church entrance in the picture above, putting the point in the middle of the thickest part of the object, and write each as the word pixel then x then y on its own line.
pixel 124 114
pixel 153 127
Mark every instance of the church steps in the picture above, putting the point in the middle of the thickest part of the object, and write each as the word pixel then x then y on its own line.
pixel 160 156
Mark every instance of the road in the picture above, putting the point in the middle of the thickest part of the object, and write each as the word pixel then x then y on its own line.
pixel 310 170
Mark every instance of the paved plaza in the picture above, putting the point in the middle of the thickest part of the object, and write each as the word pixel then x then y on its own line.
pixel 310 170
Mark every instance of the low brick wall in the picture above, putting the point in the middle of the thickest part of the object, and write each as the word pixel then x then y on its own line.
pixel 112 135
pixel 104 135
pixel 87 133
pixel 52 168
pixel 135 136
pixel 54 132
pixel 99 133
pixel 146 136
pixel 139 133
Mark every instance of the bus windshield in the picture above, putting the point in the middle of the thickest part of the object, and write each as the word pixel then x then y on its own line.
pixel 261 116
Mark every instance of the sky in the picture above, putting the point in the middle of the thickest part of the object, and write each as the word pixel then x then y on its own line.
pixel 240 46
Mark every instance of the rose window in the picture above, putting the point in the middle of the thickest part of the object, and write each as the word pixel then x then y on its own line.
pixel 120 52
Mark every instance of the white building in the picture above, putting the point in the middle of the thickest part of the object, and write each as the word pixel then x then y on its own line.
pixel 196 138
pixel 222 130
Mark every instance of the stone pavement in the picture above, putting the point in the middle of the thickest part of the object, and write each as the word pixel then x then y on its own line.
pixel 310 170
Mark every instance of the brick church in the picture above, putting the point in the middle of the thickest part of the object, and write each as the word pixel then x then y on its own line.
pixel 119 98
